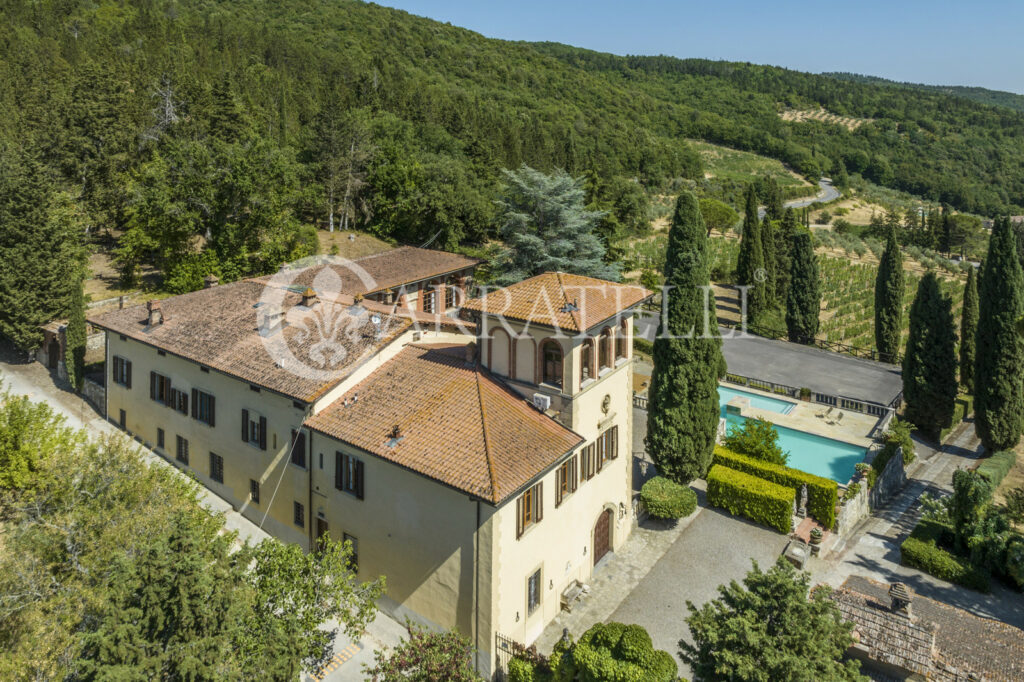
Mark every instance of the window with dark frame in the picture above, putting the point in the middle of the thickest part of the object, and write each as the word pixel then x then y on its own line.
pixel 203 407
pixel 179 401
pixel 529 508
pixel 122 371
pixel 122 419
pixel 533 592
pixel 566 480
pixel 588 463
pixel 604 349
pixel 160 438
pixel 216 467
pixel 160 389
pixel 449 296
pixel 348 474
pixel 429 300
pixel 254 429
pixel 586 360
pixel 621 345
pixel 298 448
pixel 254 491
pixel 299 514
pixel 181 450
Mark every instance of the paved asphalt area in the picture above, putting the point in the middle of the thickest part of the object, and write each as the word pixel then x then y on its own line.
pixel 713 550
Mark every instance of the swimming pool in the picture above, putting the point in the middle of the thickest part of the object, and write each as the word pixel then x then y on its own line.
pixel 808 452
pixel 726 393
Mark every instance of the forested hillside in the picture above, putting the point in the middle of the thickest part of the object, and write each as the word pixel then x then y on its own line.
pixel 1000 98
pixel 216 136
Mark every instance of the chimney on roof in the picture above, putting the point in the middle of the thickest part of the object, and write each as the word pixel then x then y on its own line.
pixel 270 321
pixel 210 281
pixel 156 313
pixel 396 432
pixel 901 596
pixel 309 297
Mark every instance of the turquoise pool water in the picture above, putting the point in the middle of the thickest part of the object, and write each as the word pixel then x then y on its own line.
pixel 808 452
pixel 726 393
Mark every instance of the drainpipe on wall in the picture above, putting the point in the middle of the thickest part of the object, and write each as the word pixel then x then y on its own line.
pixel 476 592
pixel 309 476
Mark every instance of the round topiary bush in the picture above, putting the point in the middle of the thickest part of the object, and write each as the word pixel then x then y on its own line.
pixel 667 499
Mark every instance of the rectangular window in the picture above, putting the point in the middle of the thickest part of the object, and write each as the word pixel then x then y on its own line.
pixel 588 462
pixel 217 467
pixel 160 389
pixel 449 296
pixel 122 419
pixel 299 515
pixel 529 508
pixel 353 558
pixel 321 461
pixel 348 474
pixel 606 448
pixel 122 371
pixel 254 429
pixel 160 438
pixel 179 401
pixel 254 491
pixel 203 407
pixel 299 448
pixel 566 480
pixel 181 450
pixel 533 592
pixel 429 300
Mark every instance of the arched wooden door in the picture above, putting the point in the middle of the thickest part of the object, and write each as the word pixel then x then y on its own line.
pixel 602 535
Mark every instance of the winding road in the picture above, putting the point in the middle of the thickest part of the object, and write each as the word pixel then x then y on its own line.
pixel 827 193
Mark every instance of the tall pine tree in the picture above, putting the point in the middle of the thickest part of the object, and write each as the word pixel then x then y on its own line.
pixel 929 366
pixel 999 351
pixel 803 301
pixel 889 300
pixel 40 251
pixel 75 338
pixel 683 410
pixel 750 270
pixel 969 331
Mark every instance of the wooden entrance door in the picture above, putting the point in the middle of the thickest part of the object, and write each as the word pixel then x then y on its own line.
pixel 602 535
pixel 321 528
pixel 53 353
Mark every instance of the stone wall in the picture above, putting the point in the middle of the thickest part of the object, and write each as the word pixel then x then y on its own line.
pixel 95 393
pixel 890 480
pixel 852 511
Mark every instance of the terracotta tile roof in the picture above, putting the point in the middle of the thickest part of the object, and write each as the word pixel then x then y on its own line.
pixel 219 328
pixel 387 270
pixel 562 300
pixel 965 644
pixel 459 425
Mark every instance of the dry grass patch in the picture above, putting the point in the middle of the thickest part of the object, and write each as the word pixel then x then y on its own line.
pixel 350 244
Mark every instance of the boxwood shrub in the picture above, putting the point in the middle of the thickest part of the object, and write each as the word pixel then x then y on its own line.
pixel 822 493
pixel 755 498
pixel 962 409
pixel 665 499
pixel 921 550
pixel 997 465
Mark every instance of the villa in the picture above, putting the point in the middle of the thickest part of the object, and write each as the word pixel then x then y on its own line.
pixel 482 465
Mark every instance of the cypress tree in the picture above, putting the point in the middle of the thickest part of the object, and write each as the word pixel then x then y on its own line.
pixel 683 410
pixel 770 264
pixel 968 331
pixel 929 366
pixel 889 300
pixel 773 202
pixel 74 335
pixel 783 248
pixel 750 269
pixel 999 350
pixel 803 301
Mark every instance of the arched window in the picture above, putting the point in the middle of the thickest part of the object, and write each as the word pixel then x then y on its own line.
pixel 621 341
pixel 551 363
pixel 605 348
pixel 587 360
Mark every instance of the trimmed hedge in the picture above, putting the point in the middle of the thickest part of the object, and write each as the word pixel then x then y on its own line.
pixel 962 409
pixel 667 499
pixel 997 465
pixel 822 493
pixel 921 550
pixel 755 498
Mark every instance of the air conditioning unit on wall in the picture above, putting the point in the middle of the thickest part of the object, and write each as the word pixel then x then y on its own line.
pixel 542 402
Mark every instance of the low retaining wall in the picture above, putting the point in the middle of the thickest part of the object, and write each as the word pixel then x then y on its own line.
pixel 890 480
pixel 95 393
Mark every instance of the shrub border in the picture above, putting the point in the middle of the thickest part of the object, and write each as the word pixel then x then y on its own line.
pixel 759 500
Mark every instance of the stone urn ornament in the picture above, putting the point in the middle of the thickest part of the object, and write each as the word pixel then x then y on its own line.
pixel 816 536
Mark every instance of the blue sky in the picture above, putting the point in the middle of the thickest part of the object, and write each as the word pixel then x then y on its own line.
pixel 939 42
